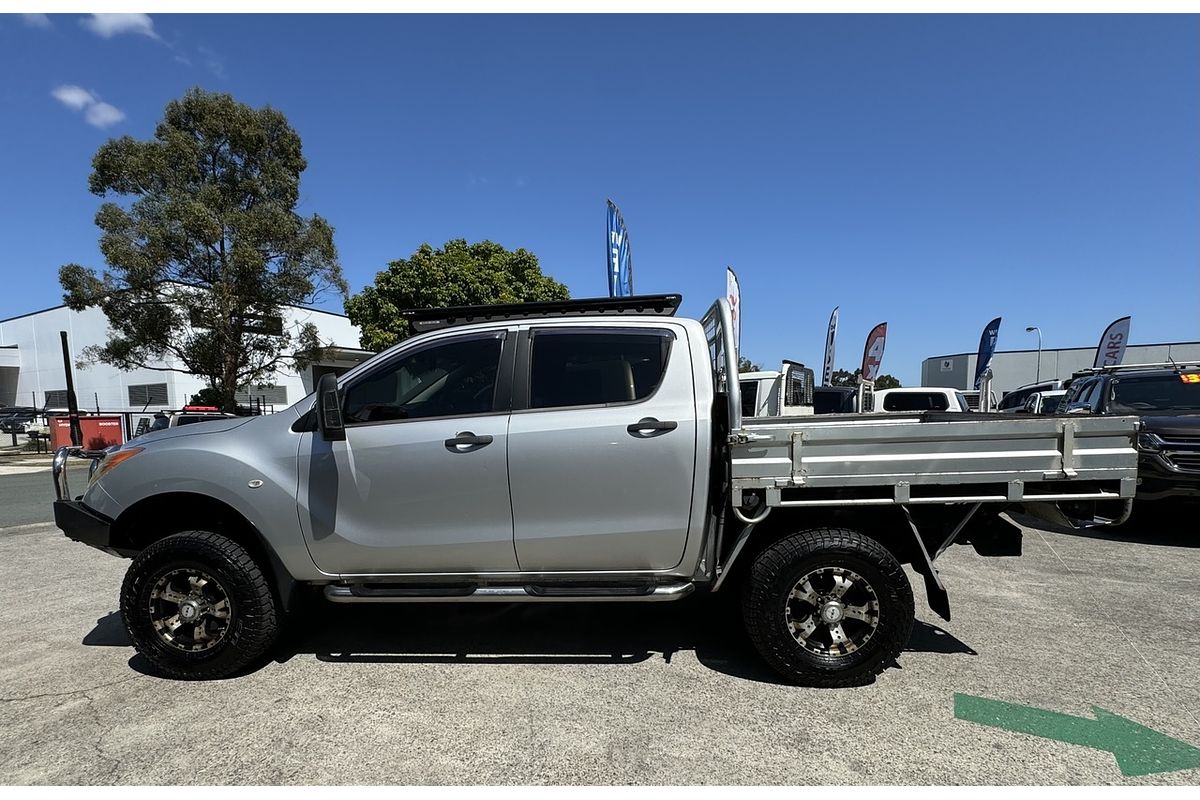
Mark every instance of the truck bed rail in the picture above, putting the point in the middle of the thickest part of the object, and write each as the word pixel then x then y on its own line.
pixel 934 458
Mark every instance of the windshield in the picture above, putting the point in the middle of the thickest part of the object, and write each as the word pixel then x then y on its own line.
pixel 1171 392
pixel 1014 399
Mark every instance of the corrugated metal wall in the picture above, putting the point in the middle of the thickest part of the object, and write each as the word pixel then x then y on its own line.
pixel 1019 367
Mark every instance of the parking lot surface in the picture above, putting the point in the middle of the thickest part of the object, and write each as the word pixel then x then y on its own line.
pixel 660 694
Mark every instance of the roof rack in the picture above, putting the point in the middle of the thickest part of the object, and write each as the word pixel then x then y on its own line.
pixel 1175 365
pixel 428 319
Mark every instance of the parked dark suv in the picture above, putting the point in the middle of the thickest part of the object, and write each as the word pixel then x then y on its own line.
pixel 14 419
pixel 1167 398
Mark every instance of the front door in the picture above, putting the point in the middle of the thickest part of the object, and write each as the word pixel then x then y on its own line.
pixel 420 485
pixel 602 449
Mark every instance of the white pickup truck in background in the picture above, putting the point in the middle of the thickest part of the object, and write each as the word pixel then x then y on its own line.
pixel 789 392
pixel 919 398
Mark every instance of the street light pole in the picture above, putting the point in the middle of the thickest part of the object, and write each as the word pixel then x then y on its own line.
pixel 1031 329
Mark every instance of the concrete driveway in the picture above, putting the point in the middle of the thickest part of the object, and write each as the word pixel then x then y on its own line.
pixel 662 694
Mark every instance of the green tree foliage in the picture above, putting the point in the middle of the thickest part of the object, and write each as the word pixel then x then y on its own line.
pixel 457 274
pixel 746 365
pixel 843 378
pixel 205 246
pixel 208 396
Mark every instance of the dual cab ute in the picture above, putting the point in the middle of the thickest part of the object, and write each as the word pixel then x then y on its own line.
pixel 583 451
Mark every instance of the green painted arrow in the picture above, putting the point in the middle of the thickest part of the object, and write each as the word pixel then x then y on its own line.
pixel 1139 750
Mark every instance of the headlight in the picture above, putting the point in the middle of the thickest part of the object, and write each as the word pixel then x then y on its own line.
pixel 1149 442
pixel 111 460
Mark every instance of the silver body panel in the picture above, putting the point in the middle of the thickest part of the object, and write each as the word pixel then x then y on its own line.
pixel 392 497
pixel 589 495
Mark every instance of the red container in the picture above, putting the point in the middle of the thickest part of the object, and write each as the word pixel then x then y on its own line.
pixel 99 431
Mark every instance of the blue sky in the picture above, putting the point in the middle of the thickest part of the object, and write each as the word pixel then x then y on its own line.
pixel 934 172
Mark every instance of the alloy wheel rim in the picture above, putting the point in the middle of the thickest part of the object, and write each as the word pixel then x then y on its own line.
pixel 190 610
pixel 832 611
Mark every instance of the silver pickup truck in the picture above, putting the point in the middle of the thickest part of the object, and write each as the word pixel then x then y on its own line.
pixel 584 451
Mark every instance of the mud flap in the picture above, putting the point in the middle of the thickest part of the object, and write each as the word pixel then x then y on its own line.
pixel 939 599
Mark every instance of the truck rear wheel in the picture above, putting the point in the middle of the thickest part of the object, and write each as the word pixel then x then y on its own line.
pixel 828 607
pixel 197 606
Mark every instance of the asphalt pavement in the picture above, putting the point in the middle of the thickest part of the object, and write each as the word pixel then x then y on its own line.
pixel 660 694
pixel 27 491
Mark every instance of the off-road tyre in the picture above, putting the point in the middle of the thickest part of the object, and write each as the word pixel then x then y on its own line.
pixel 767 593
pixel 248 631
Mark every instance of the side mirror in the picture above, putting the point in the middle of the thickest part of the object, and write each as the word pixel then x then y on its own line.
pixel 1079 410
pixel 329 409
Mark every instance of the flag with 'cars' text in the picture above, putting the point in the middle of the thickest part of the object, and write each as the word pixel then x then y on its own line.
pixel 1111 350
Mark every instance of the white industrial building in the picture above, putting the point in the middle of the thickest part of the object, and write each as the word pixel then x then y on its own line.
pixel 31 365
pixel 1013 368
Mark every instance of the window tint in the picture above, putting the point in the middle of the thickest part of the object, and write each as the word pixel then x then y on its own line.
pixel 1073 393
pixel 749 398
pixel 831 401
pixel 1015 399
pixel 583 368
pixel 1050 404
pixel 450 379
pixel 1158 393
pixel 915 401
pixel 1091 393
pixel 191 419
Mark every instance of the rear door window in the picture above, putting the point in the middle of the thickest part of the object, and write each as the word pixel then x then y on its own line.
pixel 588 367
pixel 915 401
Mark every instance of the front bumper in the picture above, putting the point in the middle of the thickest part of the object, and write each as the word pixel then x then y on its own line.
pixel 1160 475
pixel 82 524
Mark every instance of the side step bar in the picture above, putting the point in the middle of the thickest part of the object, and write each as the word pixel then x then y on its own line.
pixel 645 593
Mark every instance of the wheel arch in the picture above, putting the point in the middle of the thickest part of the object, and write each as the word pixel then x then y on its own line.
pixel 158 516
pixel 884 524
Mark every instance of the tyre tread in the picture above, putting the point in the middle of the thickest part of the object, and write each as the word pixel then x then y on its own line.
pixel 257 620
pixel 780 652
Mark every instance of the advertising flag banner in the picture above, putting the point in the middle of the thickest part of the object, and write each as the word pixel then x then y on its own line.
pixel 1111 350
pixel 831 334
pixel 618 255
pixel 733 295
pixel 873 352
pixel 987 348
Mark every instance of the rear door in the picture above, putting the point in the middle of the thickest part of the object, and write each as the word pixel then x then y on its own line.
pixel 602 448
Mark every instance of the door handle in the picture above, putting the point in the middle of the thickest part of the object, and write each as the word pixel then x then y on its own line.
pixel 466 442
pixel 648 426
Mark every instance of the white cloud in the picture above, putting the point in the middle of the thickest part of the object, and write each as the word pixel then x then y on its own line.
pixel 107 26
pixel 214 62
pixel 101 115
pixel 96 112
pixel 75 98
pixel 37 20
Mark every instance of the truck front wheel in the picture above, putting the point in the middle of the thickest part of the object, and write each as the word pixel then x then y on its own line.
pixel 828 607
pixel 197 606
